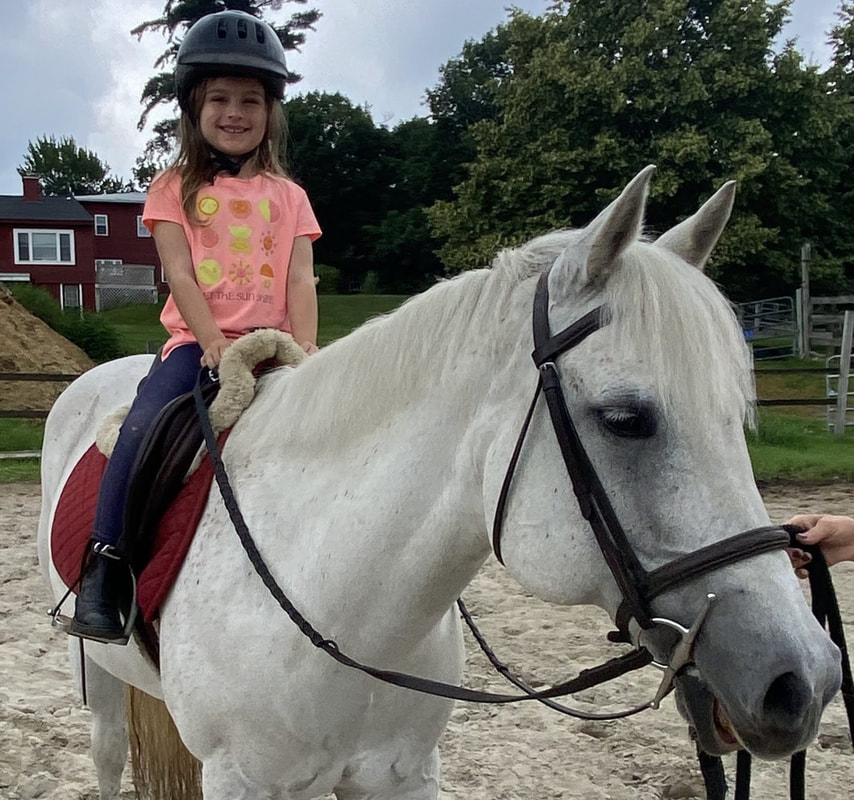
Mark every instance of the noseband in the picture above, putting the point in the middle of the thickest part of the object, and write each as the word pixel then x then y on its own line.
pixel 637 585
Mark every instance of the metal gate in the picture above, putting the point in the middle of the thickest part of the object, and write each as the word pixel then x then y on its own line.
pixel 770 326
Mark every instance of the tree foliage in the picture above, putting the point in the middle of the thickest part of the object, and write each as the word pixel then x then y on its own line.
pixel 65 169
pixel 177 18
pixel 595 89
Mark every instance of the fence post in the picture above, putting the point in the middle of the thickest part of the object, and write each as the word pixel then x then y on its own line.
pixel 806 316
pixel 800 322
pixel 844 369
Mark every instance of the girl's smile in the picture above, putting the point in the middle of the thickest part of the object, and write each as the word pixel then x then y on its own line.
pixel 233 117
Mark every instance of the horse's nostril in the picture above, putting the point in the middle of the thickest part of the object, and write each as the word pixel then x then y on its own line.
pixel 787 700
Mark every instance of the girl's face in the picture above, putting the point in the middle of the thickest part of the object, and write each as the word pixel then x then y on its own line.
pixel 233 117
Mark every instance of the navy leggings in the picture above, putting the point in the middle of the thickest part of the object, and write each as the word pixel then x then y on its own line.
pixel 167 380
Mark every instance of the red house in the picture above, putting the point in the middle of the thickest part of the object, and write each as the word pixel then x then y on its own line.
pixel 126 262
pixel 49 242
pixel 89 252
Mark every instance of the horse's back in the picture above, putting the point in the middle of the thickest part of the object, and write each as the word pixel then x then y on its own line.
pixel 75 416
pixel 72 424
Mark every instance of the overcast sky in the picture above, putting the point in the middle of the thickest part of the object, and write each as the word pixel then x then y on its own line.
pixel 71 67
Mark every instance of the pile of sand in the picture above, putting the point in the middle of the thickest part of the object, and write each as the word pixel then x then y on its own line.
pixel 29 345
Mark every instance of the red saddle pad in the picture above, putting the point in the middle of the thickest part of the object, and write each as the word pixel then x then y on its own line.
pixel 75 516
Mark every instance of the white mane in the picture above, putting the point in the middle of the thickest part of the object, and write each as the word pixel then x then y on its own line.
pixel 665 313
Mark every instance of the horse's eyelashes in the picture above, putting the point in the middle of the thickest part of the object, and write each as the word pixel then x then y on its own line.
pixel 635 422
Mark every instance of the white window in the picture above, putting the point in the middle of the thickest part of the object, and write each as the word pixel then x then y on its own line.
pixel 141 230
pixel 72 295
pixel 102 225
pixel 44 247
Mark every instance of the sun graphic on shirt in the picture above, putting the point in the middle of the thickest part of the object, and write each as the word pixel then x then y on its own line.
pixel 268 242
pixel 207 205
pixel 240 273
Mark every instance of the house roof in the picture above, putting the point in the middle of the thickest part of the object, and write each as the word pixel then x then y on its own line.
pixel 48 209
pixel 120 197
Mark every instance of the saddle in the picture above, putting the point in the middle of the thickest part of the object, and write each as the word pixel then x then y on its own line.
pixel 160 471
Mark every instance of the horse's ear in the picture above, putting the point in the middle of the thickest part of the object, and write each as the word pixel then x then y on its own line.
pixel 618 226
pixel 694 238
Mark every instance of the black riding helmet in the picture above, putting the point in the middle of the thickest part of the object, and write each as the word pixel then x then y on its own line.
pixel 231 43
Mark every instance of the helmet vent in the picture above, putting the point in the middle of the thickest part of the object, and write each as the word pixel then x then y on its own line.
pixel 259 34
pixel 242 33
pixel 221 29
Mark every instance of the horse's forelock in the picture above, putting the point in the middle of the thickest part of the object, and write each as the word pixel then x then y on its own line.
pixel 672 317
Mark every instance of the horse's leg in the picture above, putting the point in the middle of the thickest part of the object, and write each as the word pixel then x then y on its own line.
pixel 420 782
pixel 109 738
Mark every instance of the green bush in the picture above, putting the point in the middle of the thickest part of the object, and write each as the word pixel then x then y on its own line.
pixel 330 278
pixel 91 333
pixel 39 302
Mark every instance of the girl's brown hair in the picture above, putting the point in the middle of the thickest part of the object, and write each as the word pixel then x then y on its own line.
pixel 193 160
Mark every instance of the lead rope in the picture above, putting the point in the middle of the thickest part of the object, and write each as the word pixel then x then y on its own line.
pixel 825 608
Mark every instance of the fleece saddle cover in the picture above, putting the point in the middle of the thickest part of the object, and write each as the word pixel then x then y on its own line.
pixel 75 516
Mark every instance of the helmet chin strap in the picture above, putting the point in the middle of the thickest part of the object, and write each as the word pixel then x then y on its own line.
pixel 222 162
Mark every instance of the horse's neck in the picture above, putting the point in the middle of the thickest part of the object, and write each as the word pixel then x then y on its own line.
pixel 395 450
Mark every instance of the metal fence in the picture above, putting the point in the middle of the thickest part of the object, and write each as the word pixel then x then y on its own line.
pixel 770 326
pixel 118 285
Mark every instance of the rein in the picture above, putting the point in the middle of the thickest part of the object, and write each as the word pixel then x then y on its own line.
pixel 585 680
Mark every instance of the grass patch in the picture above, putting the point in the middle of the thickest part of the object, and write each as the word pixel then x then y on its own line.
pixel 21 434
pixel 138 326
pixel 341 313
pixel 141 332
pixel 19 470
pixel 789 447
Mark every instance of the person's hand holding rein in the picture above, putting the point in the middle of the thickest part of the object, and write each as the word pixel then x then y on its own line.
pixel 834 534
pixel 213 352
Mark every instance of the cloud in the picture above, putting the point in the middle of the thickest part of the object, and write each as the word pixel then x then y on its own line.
pixel 387 54
pixel 129 63
pixel 76 70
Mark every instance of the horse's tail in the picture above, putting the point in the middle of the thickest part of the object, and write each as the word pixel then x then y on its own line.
pixel 163 768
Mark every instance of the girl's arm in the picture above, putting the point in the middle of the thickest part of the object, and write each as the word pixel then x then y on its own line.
pixel 174 251
pixel 302 295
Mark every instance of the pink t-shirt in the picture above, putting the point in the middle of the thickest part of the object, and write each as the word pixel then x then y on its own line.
pixel 241 251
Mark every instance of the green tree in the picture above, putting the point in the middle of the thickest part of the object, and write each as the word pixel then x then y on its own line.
pixel 595 89
pixel 177 17
pixel 465 95
pixel 343 160
pixel 66 169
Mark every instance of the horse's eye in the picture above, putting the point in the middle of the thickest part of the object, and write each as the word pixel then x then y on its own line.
pixel 633 423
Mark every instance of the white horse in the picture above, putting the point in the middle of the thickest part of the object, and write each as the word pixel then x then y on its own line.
pixel 369 476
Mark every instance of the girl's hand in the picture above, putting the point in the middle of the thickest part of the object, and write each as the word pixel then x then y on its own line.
pixel 310 348
pixel 834 534
pixel 213 352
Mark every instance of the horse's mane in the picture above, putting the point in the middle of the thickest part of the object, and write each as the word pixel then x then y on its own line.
pixel 666 314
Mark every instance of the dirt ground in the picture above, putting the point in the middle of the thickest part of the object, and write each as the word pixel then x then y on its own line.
pixel 487 753
pixel 28 345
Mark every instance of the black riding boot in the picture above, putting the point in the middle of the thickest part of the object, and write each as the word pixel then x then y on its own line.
pixel 96 615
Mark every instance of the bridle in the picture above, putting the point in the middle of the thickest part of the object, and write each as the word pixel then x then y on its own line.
pixel 638 587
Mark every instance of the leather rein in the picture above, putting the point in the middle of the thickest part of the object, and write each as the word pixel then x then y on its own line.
pixel 637 585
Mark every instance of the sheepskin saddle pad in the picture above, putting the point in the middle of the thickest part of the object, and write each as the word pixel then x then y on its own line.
pixel 170 483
